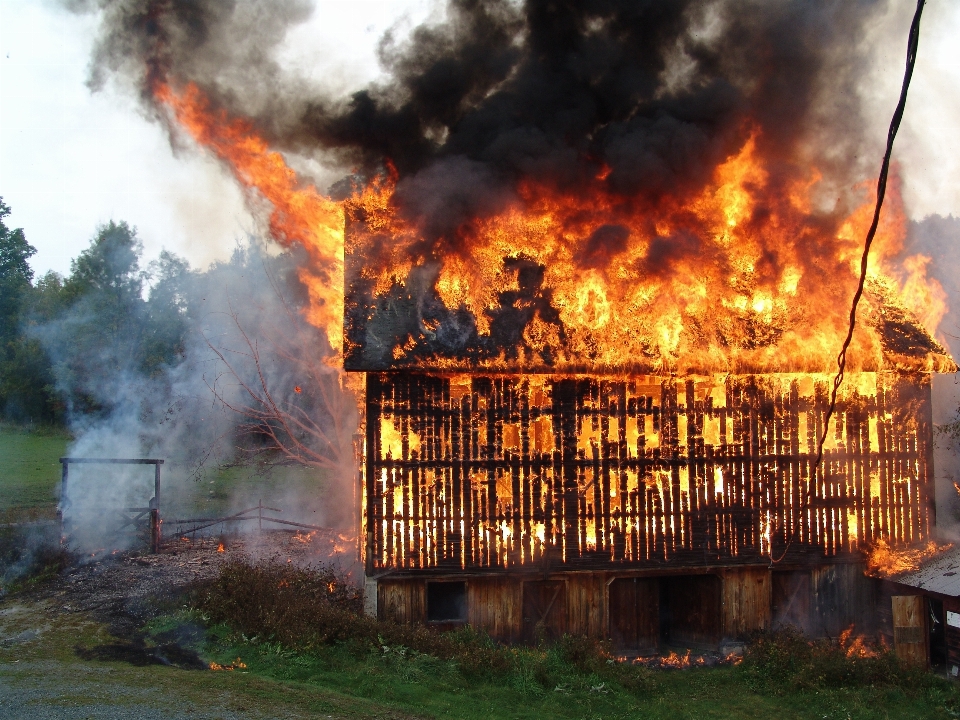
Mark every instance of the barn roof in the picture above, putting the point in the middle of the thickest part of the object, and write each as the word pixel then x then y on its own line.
pixel 940 574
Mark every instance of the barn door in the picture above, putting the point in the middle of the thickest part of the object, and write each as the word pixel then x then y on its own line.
pixel 635 615
pixel 690 608
pixel 544 610
pixel 791 600
pixel 910 628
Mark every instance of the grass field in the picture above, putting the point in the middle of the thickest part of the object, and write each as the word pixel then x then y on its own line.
pixel 41 667
pixel 30 482
pixel 29 472
pixel 272 621
pixel 425 686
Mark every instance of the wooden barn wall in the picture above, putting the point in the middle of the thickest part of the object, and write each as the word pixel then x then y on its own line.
pixel 402 601
pixel 791 597
pixel 911 628
pixel 747 595
pixel 952 635
pixel 587 604
pixel 495 604
pixel 843 597
pixel 636 612
pixel 633 614
pixel 691 610
pixel 470 472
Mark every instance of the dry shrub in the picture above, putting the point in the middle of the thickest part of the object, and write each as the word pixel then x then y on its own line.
pixel 303 609
pixel 786 660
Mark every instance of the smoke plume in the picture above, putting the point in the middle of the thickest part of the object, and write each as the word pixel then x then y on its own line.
pixel 245 338
pixel 642 99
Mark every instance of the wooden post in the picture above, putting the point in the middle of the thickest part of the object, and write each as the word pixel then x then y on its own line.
pixel 64 468
pixel 156 532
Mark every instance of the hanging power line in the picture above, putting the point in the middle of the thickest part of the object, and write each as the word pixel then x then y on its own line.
pixel 912 44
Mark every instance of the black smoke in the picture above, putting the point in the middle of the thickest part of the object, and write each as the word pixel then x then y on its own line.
pixel 639 98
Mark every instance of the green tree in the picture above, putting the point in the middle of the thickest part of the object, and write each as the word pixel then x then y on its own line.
pixel 27 390
pixel 167 311
pixel 104 336
pixel 16 276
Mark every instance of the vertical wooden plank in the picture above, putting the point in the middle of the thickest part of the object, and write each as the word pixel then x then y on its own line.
pixel 585 607
pixel 910 629
pixel 374 538
pixel 495 605
pixel 544 609
pixel 402 601
pixel 747 600
pixel 634 615
pixel 565 423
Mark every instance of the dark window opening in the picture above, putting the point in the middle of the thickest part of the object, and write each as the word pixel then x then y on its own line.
pixel 446 602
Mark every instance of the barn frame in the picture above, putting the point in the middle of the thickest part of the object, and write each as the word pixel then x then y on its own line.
pixel 653 511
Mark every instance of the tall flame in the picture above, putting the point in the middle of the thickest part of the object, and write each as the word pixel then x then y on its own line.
pixel 738 275
pixel 742 275
pixel 299 213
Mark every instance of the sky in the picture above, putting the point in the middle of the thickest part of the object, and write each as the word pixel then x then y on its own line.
pixel 71 159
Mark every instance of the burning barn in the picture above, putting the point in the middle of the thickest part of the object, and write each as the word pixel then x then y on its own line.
pixel 516 484
pixel 595 265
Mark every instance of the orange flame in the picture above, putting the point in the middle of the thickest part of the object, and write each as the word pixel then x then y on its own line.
pixel 237 664
pixel 884 561
pixel 220 548
pixel 299 213
pixel 856 646
pixel 743 275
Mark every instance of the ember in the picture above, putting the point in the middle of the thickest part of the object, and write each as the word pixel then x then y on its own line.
pixel 237 664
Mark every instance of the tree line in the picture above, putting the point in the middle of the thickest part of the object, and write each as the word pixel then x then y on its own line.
pixel 62 338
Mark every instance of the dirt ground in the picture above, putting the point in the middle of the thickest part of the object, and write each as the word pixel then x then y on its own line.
pixel 72 647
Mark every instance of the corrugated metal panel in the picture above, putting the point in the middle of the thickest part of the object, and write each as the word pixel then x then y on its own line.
pixel 940 575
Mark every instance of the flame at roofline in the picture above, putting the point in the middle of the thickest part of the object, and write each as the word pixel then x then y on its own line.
pixel 587 282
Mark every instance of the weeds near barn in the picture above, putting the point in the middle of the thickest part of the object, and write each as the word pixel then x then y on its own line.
pixel 306 627
pixel 786 661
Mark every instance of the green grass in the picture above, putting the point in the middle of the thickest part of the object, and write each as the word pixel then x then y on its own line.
pixel 357 681
pixel 30 481
pixel 47 665
pixel 29 471
pixel 297 626
pixel 425 685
